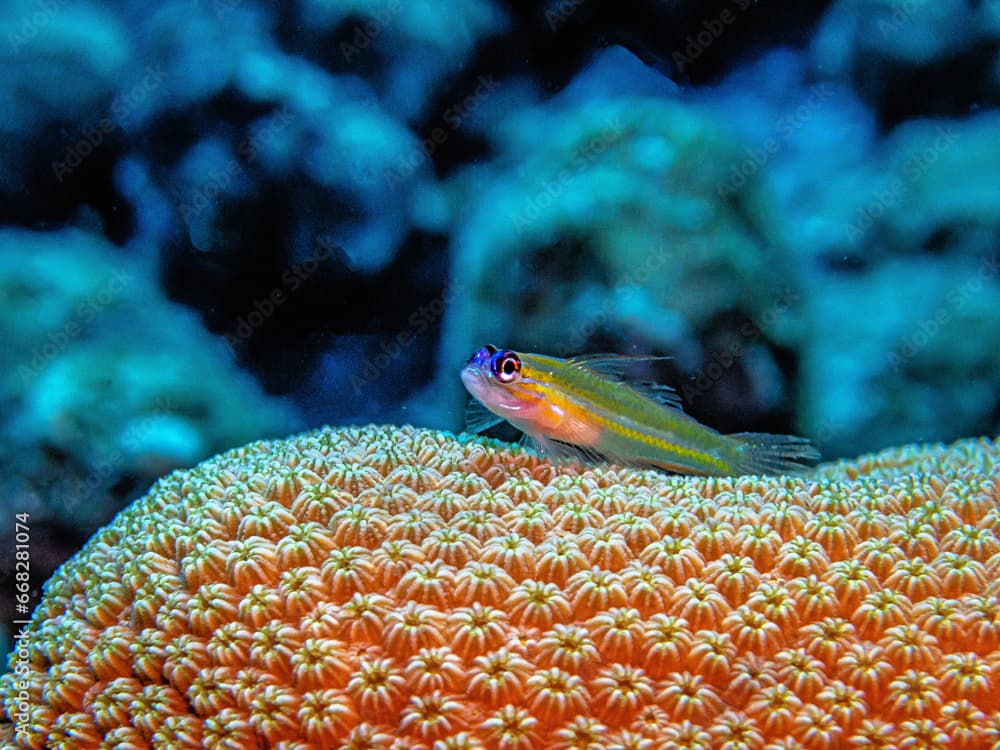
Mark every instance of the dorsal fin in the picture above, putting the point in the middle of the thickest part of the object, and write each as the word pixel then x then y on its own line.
pixel 662 394
pixel 614 366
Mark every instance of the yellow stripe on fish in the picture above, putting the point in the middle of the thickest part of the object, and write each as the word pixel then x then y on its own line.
pixel 582 407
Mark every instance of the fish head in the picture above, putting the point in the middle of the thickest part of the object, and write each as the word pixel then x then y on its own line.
pixel 528 391
pixel 494 377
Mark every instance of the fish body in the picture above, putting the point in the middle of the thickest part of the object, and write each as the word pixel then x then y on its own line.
pixel 582 407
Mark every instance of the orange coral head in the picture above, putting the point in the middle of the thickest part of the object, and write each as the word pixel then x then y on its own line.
pixel 373 587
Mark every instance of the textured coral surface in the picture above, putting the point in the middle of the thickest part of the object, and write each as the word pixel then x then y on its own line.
pixel 377 587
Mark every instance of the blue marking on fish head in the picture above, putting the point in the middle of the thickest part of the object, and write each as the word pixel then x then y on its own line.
pixel 482 357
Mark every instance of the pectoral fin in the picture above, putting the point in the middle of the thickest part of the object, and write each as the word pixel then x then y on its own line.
pixel 558 451
pixel 478 418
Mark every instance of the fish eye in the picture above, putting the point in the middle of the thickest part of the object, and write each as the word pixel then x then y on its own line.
pixel 506 366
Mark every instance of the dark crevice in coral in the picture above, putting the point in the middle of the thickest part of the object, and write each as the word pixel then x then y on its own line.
pixel 226 115
pixel 448 136
pixel 74 168
pixel 331 302
pixel 941 241
pixel 950 87
pixel 552 49
pixel 712 38
pixel 723 393
pixel 219 283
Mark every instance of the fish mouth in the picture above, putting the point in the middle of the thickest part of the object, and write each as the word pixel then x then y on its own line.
pixel 471 378
pixel 494 397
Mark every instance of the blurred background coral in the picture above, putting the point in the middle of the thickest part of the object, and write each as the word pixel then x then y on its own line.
pixel 228 220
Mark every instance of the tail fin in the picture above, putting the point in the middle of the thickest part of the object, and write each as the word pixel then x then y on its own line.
pixel 763 453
